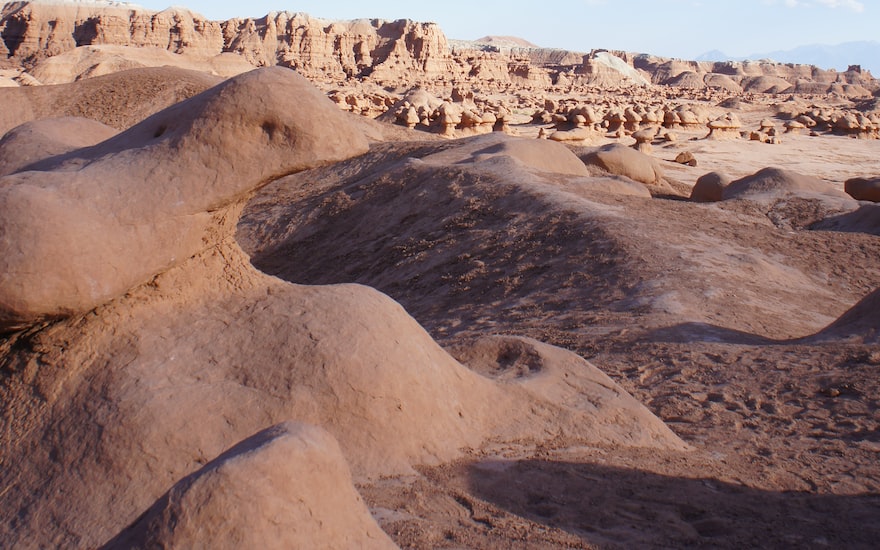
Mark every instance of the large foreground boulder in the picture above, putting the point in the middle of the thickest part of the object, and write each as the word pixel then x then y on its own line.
pixel 83 228
pixel 286 487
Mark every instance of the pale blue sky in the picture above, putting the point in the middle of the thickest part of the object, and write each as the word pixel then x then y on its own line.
pixel 675 28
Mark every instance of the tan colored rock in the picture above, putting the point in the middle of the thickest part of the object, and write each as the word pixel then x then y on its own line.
pixel 577 136
pixel 644 138
pixel 794 127
pixel 863 189
pixel 43 30
pixel 771 183
pixel 119 100
pixel 285 487
pixel 625 161
pixel 710 187
pixel 806 121
pixel 686 157
pixel 632 119
pixel 409 117
pixel 766 84
pixel 36 141
pixel 723 82
pixel 448 117
pixel 384 52
pixel 543 155
pixel 211 351
pixel 85 258
pixel 725 127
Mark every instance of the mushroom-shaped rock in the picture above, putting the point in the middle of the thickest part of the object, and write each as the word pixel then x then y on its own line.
pixel 807 121
pixel 502 120
pixel 471 120
pixel 863 189
pixel 644 138
pixel 81 229
pixel 767 124
pixel 285 487
pixel 688 118
pixel 449 116
pixel 848 123
pixel 652 117
pixel 632 119
pixel 671 119
pixel 725 127
pixel 409 117
pixel 624 161
pixel 794 127
pixel 590 114
pixel 615 120
pixel 710 187
pixel 488 122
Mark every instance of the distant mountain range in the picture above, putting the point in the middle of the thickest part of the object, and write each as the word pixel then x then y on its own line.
pixel 840 57
pixel 506 42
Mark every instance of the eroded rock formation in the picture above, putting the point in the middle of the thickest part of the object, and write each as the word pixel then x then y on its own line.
pixel 141 362
pixel 391 53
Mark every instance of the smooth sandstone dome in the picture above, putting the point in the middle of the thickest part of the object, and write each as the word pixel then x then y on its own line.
pixel 710 187
pixel 546 156
pixel 624 161
pixel 36 141
pixel 773 182
pixel 119 100
pixel 166 182
pixel 286 487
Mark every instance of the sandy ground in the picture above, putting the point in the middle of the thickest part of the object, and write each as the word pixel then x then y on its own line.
pixel 700 311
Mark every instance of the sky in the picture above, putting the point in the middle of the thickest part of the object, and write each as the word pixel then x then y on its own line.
pixel 670 28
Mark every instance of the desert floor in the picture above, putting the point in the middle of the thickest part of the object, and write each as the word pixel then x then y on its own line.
pixel 703 313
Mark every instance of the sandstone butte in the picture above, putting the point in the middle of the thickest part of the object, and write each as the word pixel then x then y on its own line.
pixel 389 53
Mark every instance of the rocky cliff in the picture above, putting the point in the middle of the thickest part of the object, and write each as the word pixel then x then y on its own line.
pixel 388 53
